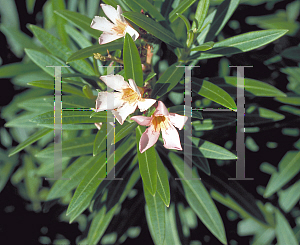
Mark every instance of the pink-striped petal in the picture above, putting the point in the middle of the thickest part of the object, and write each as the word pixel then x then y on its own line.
pixel 115 82
pixel 171 138
pixel 148 139
pixel 110 12
pixel 102 24
pixel 108 101
pixel 141 120
pixel 108 37
pixel 177 120
pixel 145 104
pixel 161 110
pixel 123 112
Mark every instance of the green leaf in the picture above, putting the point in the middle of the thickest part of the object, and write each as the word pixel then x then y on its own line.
pixel 172 236
pixel 204 47
pixel 200 201
pixel 50 85
pixel 168 80
pixel 15 69
pixel 156 213
pixel 213 151
pixel 147 164
pixel 78 37
pixel 153 27
pixel 138 5
pixel 88 186
pixel 71 177
pixel 213 92
pixel 163 187
pixel 75 102
pixel 269 114
pixel 185 20
pixel 200 14
pixel 6 169
pixel 100 140
pixel 132 61
pixel 69 117
pixel 33 138
pixel 181 8
pixel 96 48
pixel 30 6
pixel 100 223
pixel 240 43
pixel 289 100
pixel 43 60
pixel 81 21
pixel 70 148
pixel 220 17
pixel 288 167
pixel 290 109
pixel 284 232
pixel 179 109
pixel 55 47
pixel 255 87
pixel 292 53
pixel 289 197
pixel 59 5
pixel 126 129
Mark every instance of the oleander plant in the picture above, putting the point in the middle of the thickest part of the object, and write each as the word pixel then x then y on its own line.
pixel 125 120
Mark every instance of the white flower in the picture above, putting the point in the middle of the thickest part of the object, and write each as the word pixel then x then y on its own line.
pixel 123 102
pixel 115 30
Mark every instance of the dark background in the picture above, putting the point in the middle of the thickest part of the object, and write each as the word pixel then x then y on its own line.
pixel 20 226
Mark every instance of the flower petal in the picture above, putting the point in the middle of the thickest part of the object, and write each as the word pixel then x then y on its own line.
pixel 120 12
pixel 134 86
pixel 148 139
pixel 177 120
pixel 145 104
pixel 132 32
pixel 115 82
pixel 102 24
pixel 123 112
pixel 141 120
pixel 110 12
pixel 161 110
pixel 171 138
pixel 107 37
pixel 108 101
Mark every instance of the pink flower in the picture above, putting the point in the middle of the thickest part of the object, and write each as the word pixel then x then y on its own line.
pixel 115 30
pixel 164 121
pixel 123 102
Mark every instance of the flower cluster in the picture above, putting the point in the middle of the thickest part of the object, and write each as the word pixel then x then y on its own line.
pixel 127 96
pixel 124 101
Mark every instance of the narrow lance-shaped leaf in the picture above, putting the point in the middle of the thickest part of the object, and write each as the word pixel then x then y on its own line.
pixel 213 92
pixel 200 201
pixel 146 6
pixel 154 28
pixel 96 48
pixel 157 210
pixel 200 14
pixel 132 61
pixel 284 232
pixel 240 43
pixel 163 187
pixel 168 80
pixel 147 164
pixel 33 138
pixel 181 8
pixel 81 21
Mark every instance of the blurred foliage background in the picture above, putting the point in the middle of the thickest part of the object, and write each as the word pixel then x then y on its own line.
pixel 272 129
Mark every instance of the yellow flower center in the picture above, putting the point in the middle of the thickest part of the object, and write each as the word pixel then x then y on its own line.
pixel 130 95
pixel 120 27
pixel 160 123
